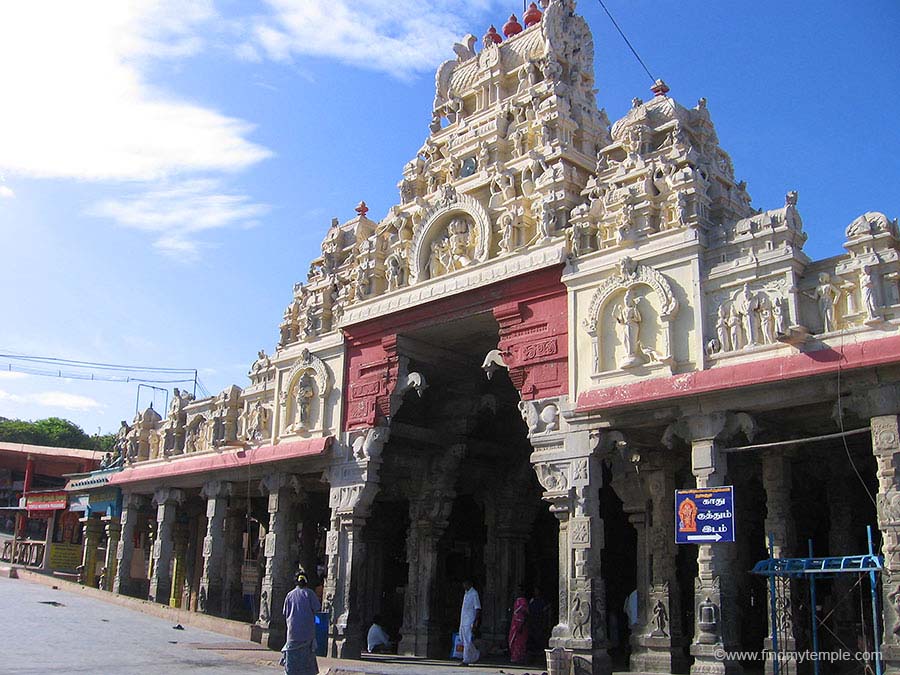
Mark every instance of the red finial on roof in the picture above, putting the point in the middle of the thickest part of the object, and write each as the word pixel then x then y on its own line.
pixel 512 27
pixel 493 35
pixel 362 209
pixel 659 88
pixel 532 16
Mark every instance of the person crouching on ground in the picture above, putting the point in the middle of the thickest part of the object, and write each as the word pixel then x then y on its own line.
pixel 377 640
pixel 300 607
pixel 469 623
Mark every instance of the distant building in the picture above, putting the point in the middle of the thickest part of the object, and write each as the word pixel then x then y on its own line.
pixel 559 324
pixel 37 529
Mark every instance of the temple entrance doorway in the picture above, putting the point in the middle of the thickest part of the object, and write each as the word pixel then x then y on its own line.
pixel 461 496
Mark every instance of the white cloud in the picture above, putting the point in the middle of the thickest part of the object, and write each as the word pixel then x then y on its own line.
pixel 53 399
pixel 6 192
pixel 175 213
pixel 77 104
pixel 400 37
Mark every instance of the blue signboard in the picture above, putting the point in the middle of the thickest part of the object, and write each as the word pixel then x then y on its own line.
pixel 704 516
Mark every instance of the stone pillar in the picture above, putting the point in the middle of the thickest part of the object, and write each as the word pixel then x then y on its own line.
pixel 180 534
pixel 507 548
pixel 571 476
pixel 776 474
pixel 93 528
pixel 427 523
pixel 277 579
pixel 349 551
pixel 113 528
pixel 233 558
pixel 354 484
pixel 167 501
pixel 131 509
pixel 658 639
pixel 209 600
pixel 715 594
pixel 886 447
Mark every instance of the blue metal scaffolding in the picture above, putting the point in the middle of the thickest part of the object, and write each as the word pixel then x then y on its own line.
pixel 811 569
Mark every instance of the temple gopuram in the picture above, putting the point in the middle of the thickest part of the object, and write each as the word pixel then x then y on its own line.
pixel 560 322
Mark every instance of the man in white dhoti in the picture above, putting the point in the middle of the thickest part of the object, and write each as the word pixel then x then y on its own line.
pixel 469 621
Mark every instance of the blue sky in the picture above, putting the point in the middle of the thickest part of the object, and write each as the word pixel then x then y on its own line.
pixel 168 169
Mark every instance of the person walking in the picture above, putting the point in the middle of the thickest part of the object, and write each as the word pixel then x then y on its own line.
pixel 299 652
pixel 469 622
pixel 518 628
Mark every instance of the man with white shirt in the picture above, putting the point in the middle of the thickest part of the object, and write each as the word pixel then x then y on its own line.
pixel 469 621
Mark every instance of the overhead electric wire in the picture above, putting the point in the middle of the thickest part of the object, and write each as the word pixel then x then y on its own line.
pixel 94 364
pixel 628 42
pixel 62 368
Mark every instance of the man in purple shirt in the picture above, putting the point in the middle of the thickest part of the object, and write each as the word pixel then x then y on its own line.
pixel 300 607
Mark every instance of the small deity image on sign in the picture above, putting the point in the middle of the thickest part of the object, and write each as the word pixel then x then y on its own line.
pixel 687 516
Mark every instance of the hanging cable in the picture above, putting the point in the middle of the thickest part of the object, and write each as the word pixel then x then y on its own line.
pixel 627 42
pixel 840 412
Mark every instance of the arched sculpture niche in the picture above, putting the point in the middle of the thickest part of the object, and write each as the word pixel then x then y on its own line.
pixel 304 395
pixel 638 307
pixel 454 234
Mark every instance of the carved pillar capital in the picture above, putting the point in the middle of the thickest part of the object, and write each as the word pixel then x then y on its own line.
pixel 216 489
pixel 166 496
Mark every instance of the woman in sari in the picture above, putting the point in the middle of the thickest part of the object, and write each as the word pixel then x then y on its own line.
pixel 518 628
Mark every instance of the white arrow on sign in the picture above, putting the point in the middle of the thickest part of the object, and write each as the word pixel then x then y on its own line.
pixel 704 537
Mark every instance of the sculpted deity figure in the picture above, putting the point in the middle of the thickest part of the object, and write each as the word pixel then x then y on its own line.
pixel 574 237
pixel 392 274
pixel 723 328
pixel 546 222
pixel 459 244
pixel 484 155
pixel 734 328
pixel 256 421
pixel 518 139
pixel 747 305
pixel 303 398
pixel 826 295
pixel 766 316
pixel 778 311
pixel 629 319
pixel 507 232
pixel 867 284
pixel 121 443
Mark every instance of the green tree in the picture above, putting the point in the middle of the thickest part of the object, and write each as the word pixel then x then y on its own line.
pixel 53 431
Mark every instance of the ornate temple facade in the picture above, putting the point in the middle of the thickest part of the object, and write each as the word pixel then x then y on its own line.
pixel 559 323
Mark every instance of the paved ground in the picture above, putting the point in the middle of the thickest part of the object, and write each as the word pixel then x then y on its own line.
pixel 45 630
pixel 83 635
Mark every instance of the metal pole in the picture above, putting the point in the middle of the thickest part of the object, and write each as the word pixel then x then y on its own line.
pixel 873 585
pixel 812 609
pixel 773 608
